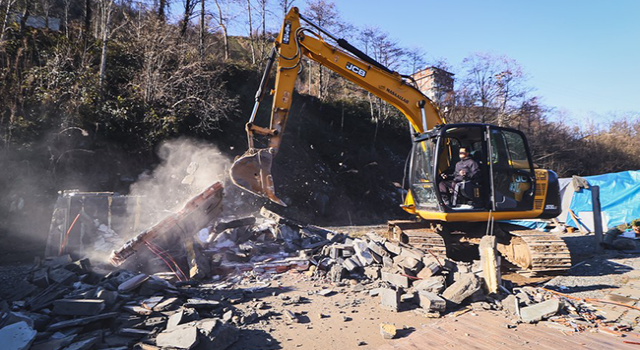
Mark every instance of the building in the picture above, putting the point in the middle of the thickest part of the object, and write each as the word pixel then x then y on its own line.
pixel 435 83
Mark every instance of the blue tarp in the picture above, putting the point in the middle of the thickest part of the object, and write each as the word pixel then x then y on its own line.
pixel 619 197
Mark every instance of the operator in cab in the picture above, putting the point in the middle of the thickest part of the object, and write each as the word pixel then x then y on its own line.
pixel 466 169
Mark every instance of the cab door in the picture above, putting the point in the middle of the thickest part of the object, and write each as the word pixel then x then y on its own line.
pixel 511 170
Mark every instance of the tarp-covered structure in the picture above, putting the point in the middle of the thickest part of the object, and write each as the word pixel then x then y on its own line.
pixel 619 199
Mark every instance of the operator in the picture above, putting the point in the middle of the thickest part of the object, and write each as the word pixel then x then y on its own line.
pixel 466 169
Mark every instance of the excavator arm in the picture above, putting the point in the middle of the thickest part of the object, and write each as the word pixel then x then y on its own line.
pixel 252 170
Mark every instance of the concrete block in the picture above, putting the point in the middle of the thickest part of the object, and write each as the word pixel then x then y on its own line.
pixel 389 299
pixel 377 248
pixel 429 270
pixel 78 307
pixel 351 264
pixel 393 248
pixel 464 287
pixel 433 284
pixel 431 302
pixel 412 253
pixel 396 279
pixel 411 263
pixel 540 311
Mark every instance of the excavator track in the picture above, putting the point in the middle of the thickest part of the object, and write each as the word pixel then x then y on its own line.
pixel 417 235
pixel 536 252
pixel 531 251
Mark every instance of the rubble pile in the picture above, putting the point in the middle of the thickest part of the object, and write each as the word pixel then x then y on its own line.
pixel 232 263
pixel 70 305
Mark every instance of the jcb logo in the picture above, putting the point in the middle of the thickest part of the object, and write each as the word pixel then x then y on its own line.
pixel 352 67
pixel 286 33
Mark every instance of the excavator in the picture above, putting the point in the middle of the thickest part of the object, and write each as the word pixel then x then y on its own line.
pixel 508 187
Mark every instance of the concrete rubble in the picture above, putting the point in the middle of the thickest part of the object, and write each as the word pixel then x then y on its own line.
pixel 70 303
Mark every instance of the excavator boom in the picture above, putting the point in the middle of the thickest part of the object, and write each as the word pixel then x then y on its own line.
pixel 252 170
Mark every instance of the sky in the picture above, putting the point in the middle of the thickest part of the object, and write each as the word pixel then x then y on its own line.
pixel 582 57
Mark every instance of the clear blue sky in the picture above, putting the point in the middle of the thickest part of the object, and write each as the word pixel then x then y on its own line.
pixel 582 56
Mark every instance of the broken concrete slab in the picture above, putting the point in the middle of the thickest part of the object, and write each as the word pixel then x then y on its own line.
pixel 62 276
pixel 216 335
pixel 20 291
pixel 18 336
pixel 223 225
pixel 201 304
pixel 55 344
pixel 167 304
pixel 393 248
pixel 377 248
pixel 182 316
pixel 351 264
pixel 490 262
pixel 81 321
pixel 132 283
pixel 396 279
pixel 511 304
pixel 430 268
pixel 464 287
pixel 150 303
pixel 181 337
pixel 540 311
pixel 372 272
pixel 109 297
pixel 85 344
pixel 431 302
pixel 389 299
pixel 78 307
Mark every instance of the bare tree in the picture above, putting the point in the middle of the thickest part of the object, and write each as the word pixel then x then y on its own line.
pixel 493 86
pixel 189 7
pixel 87 18
pixel 5 21
pixel 325 14
pixel 223 21
pixel 251 34
pixel 162 6
pixel 285 5
pixel 203 26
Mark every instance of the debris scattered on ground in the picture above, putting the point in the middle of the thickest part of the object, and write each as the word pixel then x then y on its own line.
pixel 70 303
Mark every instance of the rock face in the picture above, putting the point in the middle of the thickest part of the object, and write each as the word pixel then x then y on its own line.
pixel 462 288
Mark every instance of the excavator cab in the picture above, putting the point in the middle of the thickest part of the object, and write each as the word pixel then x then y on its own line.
pixel 505 183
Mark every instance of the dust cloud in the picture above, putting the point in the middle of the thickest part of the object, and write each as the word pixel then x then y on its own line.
pixel 186 168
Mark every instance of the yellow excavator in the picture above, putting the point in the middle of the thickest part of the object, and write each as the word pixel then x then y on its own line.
pixel 507 187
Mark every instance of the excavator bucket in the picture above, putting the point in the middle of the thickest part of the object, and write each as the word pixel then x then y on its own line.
pixel 252 172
